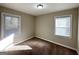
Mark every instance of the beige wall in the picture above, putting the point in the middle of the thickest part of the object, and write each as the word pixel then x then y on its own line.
pixel 27 24
pixel 78 33
pixel 45 28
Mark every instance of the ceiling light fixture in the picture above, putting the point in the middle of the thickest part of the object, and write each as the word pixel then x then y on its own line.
pixel 39 6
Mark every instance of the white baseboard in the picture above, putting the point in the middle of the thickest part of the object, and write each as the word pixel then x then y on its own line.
pixel 58 44
pixel 51 42
pixel 24 40
pixel 78 52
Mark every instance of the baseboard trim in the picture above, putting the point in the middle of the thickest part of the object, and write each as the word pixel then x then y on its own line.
pixel 58 44
pixel 51 42
pixel 77 52
pixel 23 40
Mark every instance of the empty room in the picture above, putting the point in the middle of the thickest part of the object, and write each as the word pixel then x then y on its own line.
pixel 39 28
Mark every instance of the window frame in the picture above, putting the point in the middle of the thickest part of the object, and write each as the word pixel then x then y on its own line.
pixel 70 26
pixel 2 22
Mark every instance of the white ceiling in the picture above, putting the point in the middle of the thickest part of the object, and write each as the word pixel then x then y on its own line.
pixel 30 8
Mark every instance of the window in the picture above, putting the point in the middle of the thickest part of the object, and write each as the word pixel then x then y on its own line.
pixel 10 24
pixel 63 26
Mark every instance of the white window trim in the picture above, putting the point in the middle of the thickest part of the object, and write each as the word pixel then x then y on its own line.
pixel 2 22
pixel 70 26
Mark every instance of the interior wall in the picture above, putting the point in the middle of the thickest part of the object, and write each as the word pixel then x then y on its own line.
pixel 0 26
pixel 78 33
pixel 27 24
pixel 45 28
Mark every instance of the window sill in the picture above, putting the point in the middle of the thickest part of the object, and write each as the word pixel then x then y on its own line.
pixel 59 36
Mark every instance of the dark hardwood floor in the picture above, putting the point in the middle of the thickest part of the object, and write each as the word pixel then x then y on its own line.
pixel 42 47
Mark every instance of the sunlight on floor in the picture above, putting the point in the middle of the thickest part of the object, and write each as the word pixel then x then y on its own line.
pixel 6 41
pixel 17 47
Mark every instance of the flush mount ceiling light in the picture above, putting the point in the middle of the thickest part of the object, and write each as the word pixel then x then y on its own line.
pixel 39 6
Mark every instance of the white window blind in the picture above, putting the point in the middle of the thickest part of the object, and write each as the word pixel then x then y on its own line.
pixel 63 26
pixel 10 24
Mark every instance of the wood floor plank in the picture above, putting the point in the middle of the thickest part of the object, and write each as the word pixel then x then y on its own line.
pixel 42 47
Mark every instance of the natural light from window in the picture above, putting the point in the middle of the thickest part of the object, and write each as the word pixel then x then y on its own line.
pixel 10 29
pixel 63 26
pixel 6 41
